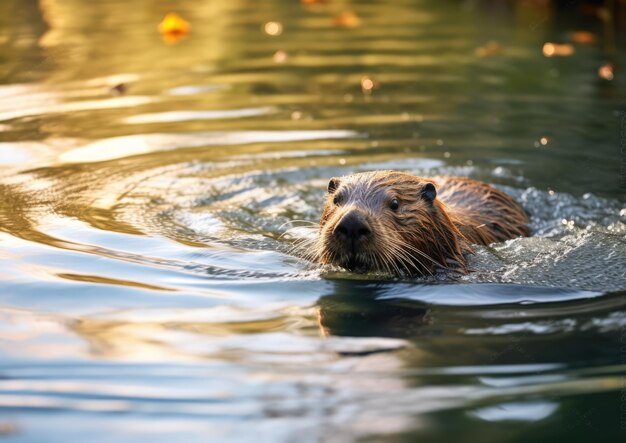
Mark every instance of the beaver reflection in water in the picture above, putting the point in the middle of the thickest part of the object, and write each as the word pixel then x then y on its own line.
pixel 399 224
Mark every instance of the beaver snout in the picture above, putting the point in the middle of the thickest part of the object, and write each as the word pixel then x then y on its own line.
pixel 352 228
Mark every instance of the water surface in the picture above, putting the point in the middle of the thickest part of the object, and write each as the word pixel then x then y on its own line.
pixel 146 289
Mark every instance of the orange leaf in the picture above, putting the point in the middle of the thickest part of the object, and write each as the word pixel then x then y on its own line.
pixel 607 71
pixel 347 19
pixel 173 28
pixel 584 37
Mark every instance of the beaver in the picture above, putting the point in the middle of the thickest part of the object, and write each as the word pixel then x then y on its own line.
pixel 399 224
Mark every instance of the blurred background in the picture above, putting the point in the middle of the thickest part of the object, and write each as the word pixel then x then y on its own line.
pixel 159 159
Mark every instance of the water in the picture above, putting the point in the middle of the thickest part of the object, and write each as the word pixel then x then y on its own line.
pixel 146 286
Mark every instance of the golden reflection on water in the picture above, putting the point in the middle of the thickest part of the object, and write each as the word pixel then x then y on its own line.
pixel 111 281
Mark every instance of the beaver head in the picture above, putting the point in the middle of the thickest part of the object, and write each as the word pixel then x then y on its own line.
pixel 389 222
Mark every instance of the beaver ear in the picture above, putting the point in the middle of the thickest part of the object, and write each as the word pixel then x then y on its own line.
pixel 429 192
pixel 333 184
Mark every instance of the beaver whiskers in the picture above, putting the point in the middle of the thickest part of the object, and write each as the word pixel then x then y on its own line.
pixel 394 258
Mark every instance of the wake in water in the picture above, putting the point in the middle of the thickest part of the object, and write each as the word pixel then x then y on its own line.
pixel 576 242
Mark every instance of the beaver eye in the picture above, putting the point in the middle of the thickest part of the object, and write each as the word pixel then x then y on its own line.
pixel 337 200
pixel 394 205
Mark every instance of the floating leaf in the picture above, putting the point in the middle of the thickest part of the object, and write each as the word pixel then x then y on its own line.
pixel 313 2
pixel 173 28
pixel 368 85
pixel 489 50
pixel 584 37
pixel 280 56
pixel 119 89
pixel 607 71
pixel 558 49
pixel 273 28
pixel 543 141
pixel 346 19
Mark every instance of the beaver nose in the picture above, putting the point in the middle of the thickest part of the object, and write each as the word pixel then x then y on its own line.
pixel 352 227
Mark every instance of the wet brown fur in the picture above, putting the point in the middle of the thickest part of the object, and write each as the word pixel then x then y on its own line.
pixel 420 237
